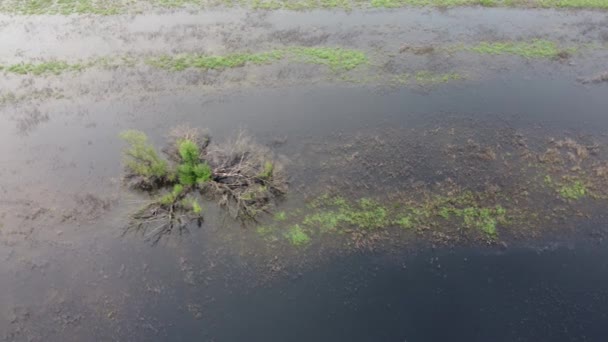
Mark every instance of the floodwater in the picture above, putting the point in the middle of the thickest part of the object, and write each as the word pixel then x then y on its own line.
pixel 68 274
pixel 73 279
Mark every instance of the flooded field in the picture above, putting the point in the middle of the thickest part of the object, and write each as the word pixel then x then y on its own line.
pixel 447 174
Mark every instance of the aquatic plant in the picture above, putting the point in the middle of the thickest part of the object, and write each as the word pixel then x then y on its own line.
pixel 537 48
pixel 332 214
pixel 182 62
pixel 365 214
pixel 50 67
pixel 336 58
pixel 280 216
pixel 297 236
pixel 574 190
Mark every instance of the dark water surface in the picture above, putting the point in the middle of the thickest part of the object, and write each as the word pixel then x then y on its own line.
pixel 462 295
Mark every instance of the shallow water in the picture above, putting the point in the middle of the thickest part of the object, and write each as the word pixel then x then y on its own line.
pixel 66 279
pixel 68 274
pixel 463 295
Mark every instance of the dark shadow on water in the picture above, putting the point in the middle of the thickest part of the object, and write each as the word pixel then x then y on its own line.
pixel 462 295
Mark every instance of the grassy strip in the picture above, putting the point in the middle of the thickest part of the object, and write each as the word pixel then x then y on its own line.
pixel 113 7
pixel 466 211
pixel 65 7
pixel 337 59
pixel 530 49
pixel 183 62
pixel 50 67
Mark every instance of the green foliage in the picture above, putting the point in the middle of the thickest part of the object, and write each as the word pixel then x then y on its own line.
pixel 326 221
pixel 171 197
pixel 468 208
pixel 364 214
pixel 570 189
pixel 333 213
pixel 268 170
pixel 405 222
pixel 63 7
pixel 600 4
pixel 50 67
pixel 337 59
pixel 297 236
pixel 192 171
pixel 280 216
pixel 189 151
pixel 532 49
pixel 214 62
pixel 573 191
pixel 141 157
pixel 196 208
pixel 484 219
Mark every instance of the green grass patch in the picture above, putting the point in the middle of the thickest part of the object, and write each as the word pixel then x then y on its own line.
pixel 297 236
pixel 178 63
pixel 280 216
pixel 337 59
pixel 406 222
pixel 484 219
pixel 538 48
pixel 191 171
pixel 599 4
pixel 336 212
pixel 65 7
pixel 466 210
pixel 574 190
pixel 568 188
pixel 141 157
pixel 50 67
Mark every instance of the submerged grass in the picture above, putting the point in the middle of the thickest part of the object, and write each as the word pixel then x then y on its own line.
pixel 334 214
pixel 573 191
pixel 337 59
pixel 112 7
pixel 538 48
pixel 178 63
pixel 365 214
pixel 428 77
pixel 568 188
pixel 297 236
pixel 50 67
pixel 65 7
